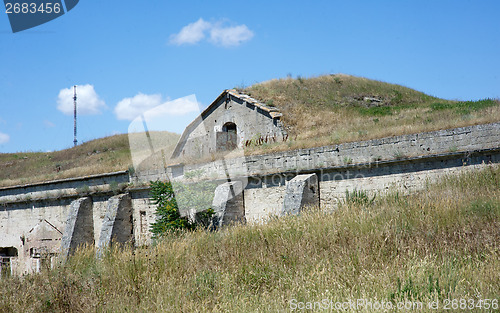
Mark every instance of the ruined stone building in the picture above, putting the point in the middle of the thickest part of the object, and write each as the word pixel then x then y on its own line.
pixel 232 121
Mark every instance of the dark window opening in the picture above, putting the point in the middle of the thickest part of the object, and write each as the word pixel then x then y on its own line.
pixel 8 252
pixel 35 253
pixel 229 127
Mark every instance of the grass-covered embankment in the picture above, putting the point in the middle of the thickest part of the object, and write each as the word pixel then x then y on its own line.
pixel 317 111
pixel 98 156
pixel 94 157
pixel 441 243
pixel 332 109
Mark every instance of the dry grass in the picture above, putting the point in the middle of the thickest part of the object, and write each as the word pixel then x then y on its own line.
pixel 94 157
pixel 334 109
pixel 98 156
pixel 441 243
pixel 163 144
pixel 317 111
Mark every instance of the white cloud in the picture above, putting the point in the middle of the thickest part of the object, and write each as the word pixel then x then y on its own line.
pixel 177 107
pixel 130 108
pixel 226 36
pixel 192 33
pixel 4 138
pixel 230 36
pixel 88 102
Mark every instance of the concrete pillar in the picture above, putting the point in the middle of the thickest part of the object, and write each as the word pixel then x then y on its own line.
pixel 301 191
pixel 228 203
pixel 117 226
pixel 79 226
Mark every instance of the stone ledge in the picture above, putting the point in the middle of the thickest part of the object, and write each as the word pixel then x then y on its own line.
pixel 65 180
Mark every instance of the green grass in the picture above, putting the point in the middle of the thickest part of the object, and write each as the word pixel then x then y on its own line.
pixel 464 107
pixel 385 110
pixel 358 197
pixel 441 243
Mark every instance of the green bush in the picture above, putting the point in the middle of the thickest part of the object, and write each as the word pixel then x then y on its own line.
pixel 358 197
pixel 168 217
pixel 464 107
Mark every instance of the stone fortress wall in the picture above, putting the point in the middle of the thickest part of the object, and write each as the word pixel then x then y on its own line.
pixel 40 221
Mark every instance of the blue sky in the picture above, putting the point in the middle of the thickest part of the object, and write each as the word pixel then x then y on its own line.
pixel 127 56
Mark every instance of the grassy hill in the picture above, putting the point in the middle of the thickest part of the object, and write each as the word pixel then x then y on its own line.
pixel 340 108
pixel 316 111
pixel 97 156
pixel 104 155
pixel 438 244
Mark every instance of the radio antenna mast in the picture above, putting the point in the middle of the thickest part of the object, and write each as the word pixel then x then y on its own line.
pixel 74 115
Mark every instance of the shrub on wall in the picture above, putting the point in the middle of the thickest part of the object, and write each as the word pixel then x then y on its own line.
pixel 168 217
pixel 167 213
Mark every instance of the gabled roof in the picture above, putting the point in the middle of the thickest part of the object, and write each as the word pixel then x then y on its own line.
pixel 273 113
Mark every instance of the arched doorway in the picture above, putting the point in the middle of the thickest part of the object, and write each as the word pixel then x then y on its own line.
pixel 227 140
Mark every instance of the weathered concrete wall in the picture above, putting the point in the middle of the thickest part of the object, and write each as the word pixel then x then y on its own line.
pixel 117 224
pixel 42 243
pixel 18 220
pixel 79 226
pixel 142 215
pixel 301 191
pixel 404 176
pixel 32 214
pixel 34 217
pixel 63 187
pixel 99 207
pixel 263 202
pixel 228 203
pixel 464 139
pixel 265 194
pixel 35 228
